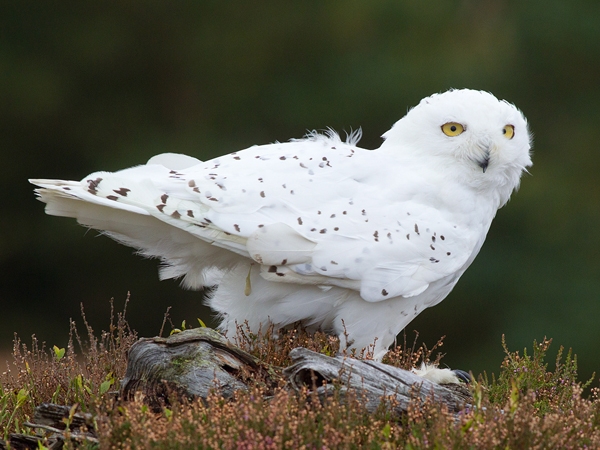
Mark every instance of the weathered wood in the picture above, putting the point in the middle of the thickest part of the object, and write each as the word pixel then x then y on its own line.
pixel 50 419
pixel 195 362
pixel 192 363
pixel 372 379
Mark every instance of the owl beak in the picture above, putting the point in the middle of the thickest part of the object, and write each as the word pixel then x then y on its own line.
pixel 483 163
pixel 484 160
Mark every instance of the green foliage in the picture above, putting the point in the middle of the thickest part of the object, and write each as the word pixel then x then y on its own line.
pixel 521 375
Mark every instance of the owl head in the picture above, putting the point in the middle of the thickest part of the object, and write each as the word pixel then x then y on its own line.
pixel 469 134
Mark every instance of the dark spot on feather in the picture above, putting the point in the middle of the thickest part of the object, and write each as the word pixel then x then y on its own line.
pixel 190 213
pixel 196 190
pixel 260 180
pixel 433 260
pixel 112 197
pixel 237 227
pixel 163 198
pixel 260 225
pixel 237 158
pixel 212 199
pixel 417 229
pixel 93 185
pixel 336 229
pixel 364 213
pixel 384 292
pixel 282 158
pixel 323 231
pixel 376 236
pixel 432 247
pixel 208 220
pixel 160 207
pixel 408 236
pixel 279 274
pixel 333 262
pixel 303 166
pixel 313 229
pixel 442 237
pixel 176 214
pixel 292 192
pixel 284 262
pixel 272 269
pixel 344 212
pixel 318 212
pixel 299 220
pixel 332 216
pixel 66 188
pixel 191 183
pixel 262 194
pixel 283 186
pixel 122 191
pixel 432 238
pixel 448 253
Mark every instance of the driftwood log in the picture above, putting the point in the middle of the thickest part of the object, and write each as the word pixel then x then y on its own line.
pixel 374 380
pixel 198 361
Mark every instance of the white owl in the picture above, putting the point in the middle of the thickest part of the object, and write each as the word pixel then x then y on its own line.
pixel 352 241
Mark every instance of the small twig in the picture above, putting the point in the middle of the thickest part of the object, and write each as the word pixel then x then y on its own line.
pixel 43 427
pixel 164 322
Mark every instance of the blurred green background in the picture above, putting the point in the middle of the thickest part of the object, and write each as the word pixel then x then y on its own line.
pixel 88 86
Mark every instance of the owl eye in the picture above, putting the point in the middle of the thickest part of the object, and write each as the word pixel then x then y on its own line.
pixel 508 131
pixel 452 129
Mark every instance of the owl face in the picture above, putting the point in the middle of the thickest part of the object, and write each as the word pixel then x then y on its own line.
pixel 485 138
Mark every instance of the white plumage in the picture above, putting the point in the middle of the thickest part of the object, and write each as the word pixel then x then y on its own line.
pixel 356 242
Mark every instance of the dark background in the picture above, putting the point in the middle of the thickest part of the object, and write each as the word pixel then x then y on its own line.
pixel 88 86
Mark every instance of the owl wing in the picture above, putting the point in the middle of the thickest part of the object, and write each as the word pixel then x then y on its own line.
pixel 324 212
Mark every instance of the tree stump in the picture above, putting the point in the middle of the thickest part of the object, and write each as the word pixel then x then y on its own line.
pixel 191 363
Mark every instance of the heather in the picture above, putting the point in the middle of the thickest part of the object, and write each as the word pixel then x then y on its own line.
pixel 531 403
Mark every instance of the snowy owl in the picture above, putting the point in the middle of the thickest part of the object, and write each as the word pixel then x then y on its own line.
pixel 316 230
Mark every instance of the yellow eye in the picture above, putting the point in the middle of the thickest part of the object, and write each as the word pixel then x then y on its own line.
pixel 452 129
pixel 508 131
